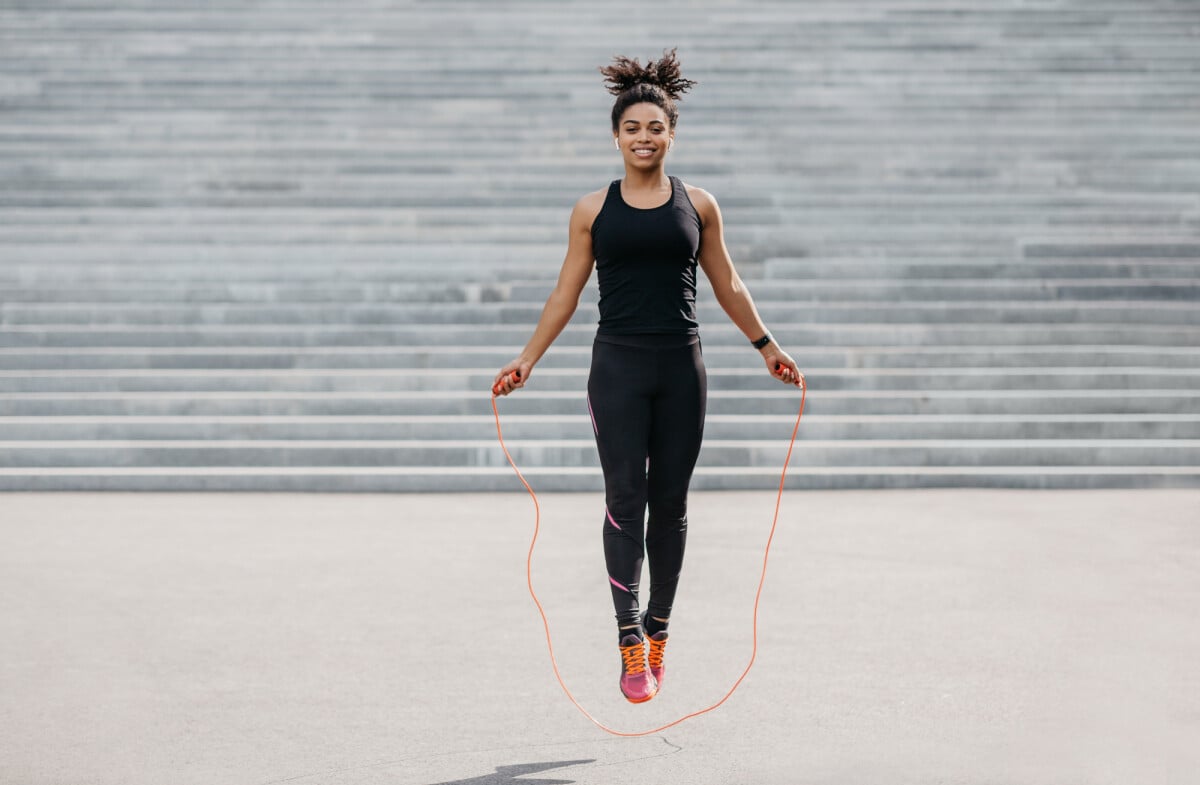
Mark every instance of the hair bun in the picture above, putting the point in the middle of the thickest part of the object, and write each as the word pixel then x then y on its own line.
pixel 662 73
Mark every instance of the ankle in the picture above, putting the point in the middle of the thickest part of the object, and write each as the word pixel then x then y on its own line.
pixel 654 625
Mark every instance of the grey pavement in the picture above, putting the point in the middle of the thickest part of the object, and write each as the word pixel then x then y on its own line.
pixel 906 636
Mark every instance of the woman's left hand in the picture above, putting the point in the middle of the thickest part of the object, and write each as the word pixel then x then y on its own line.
pixel 782 366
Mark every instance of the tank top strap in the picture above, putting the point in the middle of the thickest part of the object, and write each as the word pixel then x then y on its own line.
pixel 612 202
pixel 614 193
pixel 681 201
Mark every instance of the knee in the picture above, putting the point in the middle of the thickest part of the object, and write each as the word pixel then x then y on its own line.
pixel 668 509
pixel 626 503
pixel 666 517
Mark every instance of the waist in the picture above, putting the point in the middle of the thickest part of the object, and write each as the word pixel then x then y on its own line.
pixel 671 340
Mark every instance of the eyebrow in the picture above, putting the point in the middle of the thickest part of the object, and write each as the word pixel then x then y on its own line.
pixel 635 122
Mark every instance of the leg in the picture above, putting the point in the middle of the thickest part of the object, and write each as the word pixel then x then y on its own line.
pixel 676 434
pixel 619 406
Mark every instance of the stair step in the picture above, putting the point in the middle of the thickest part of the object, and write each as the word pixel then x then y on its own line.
pixel 388 479
pixel 582 330
pixel 385 292
pixel 1148 312
pixel 953 269
pixel 527 427
pixel 430 356
pixel 582 452
pixel 575 379
pixel 1094 399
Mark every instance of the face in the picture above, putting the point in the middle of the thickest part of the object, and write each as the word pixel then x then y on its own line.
pixel 644 134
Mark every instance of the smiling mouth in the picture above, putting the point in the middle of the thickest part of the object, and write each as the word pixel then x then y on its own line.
pixel 643 152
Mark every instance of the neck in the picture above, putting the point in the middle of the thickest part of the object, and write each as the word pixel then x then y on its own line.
pixel 639 179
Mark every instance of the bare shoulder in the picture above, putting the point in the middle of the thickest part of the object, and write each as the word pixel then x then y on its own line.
pixel 698 194
pixel 588 206
pixel 704 202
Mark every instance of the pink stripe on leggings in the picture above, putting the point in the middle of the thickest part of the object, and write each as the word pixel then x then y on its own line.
pixel 610 518
pixel 619 586
pixel 592 414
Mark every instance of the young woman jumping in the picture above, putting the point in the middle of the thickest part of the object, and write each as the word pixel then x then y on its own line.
pixel 646 234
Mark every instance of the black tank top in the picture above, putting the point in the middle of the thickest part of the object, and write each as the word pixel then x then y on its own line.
pixel 646 264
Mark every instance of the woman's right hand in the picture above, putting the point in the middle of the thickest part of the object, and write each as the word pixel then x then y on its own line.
pixel 505 381
pixel 781 365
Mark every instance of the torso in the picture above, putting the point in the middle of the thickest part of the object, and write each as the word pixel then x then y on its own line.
pixel 646 260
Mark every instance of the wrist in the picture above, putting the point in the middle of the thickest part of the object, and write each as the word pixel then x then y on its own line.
pixel 763 342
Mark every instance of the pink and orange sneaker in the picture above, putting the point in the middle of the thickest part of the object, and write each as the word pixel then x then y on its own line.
pixel 637 684
pixel 657 644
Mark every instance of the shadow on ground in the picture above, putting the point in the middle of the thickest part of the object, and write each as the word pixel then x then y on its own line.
pixel 505 775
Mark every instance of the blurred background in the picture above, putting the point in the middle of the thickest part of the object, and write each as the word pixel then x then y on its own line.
pixel 286 245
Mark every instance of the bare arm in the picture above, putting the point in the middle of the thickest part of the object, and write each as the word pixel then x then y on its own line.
pixel 563 300
pixel 731 292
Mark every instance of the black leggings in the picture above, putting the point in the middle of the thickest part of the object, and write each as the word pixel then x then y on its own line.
pixel 646 397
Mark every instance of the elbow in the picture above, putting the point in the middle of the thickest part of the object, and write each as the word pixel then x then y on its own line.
pixel 730 293
pixel 727 287
pixel 564 302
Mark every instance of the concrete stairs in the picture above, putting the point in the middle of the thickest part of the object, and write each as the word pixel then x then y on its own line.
pixel 285 246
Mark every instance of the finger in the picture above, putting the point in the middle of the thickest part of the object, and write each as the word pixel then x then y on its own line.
pixel 790 374
pixel 500 386
pixel 507 383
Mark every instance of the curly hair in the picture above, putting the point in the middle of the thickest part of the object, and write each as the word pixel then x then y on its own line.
pixel 659 82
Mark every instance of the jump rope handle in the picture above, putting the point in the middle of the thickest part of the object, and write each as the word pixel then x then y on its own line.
pixel 515 376
pixel 779 368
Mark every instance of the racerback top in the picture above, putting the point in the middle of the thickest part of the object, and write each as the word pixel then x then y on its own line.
pixel 646 264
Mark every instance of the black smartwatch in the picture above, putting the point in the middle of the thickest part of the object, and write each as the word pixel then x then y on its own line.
pixel 761 342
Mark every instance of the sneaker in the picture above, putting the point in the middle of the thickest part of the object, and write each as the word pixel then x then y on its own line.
pixel 657 644
pixel 637 685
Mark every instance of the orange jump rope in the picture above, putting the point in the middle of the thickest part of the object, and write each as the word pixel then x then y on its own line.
pixel 537 523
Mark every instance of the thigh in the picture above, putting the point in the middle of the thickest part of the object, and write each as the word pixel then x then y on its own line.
pixel 619 405
pixel 677 428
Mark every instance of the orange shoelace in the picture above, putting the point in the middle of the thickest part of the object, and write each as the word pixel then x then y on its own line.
pixel 655 654
pixel 634 657
pixel 537 525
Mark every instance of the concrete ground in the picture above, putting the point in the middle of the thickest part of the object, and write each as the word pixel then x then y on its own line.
pixel 934 636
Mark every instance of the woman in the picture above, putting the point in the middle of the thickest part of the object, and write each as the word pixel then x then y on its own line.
pixel 646 234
